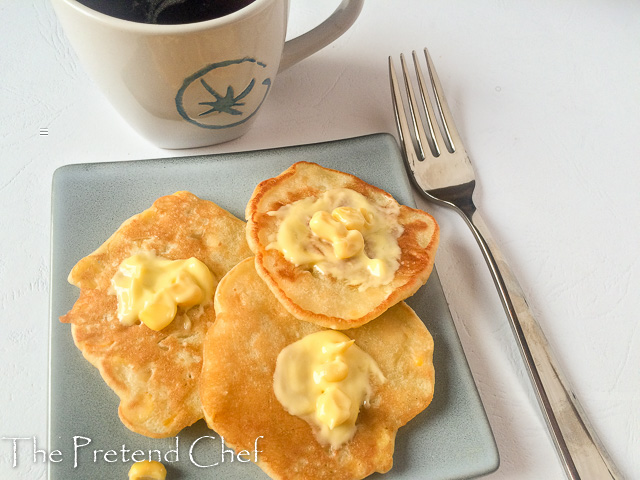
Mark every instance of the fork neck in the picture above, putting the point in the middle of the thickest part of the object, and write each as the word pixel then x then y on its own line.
pixel 459 196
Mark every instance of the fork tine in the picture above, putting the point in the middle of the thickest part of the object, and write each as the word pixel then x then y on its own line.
pixel 445 114
pixel 401 118
pixel 420 135
pixel 434 132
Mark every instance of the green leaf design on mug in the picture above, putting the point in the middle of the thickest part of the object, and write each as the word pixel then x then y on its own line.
pixel 222 110
pixel 225 104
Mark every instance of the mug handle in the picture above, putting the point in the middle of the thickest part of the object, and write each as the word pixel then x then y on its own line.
pixel 319 37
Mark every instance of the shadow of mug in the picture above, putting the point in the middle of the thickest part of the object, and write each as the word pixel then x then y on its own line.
pixel 192 84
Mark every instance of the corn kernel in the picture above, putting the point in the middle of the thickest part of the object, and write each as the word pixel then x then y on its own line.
pixel 333 407
pixel 147 470
pixel 351 218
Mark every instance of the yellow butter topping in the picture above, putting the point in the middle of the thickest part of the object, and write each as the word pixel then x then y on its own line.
pixel 151 288
pixel 147 470
pixel 342 234
pixel 346 243
pixel 325 378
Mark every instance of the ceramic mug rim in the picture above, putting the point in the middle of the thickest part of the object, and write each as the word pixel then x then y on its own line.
pixel 155 28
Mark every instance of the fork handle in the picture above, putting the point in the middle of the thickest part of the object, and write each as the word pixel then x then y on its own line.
pixel 582 455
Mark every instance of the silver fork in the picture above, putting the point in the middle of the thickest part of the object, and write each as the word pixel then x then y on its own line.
pixel 439 166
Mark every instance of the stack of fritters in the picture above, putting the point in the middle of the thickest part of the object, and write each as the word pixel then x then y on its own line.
pixel 167 379
pixel 267 303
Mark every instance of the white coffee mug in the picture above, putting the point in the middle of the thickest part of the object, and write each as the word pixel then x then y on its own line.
pixel 193 84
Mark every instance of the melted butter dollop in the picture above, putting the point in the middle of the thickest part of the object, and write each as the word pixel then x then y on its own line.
pixel 325 378
pixel 342 234
pixel 151 288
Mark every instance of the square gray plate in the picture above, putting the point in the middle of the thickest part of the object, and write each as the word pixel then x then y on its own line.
pixel 451 439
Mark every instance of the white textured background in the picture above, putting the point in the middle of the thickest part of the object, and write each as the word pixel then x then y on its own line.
pixel 547 97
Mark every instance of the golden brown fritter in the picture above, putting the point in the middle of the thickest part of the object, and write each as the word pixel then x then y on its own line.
pixel 319 298
pixel 239 402
pixel 155 373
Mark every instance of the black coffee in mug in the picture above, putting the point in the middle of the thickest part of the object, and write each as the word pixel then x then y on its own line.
pixel 166 12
